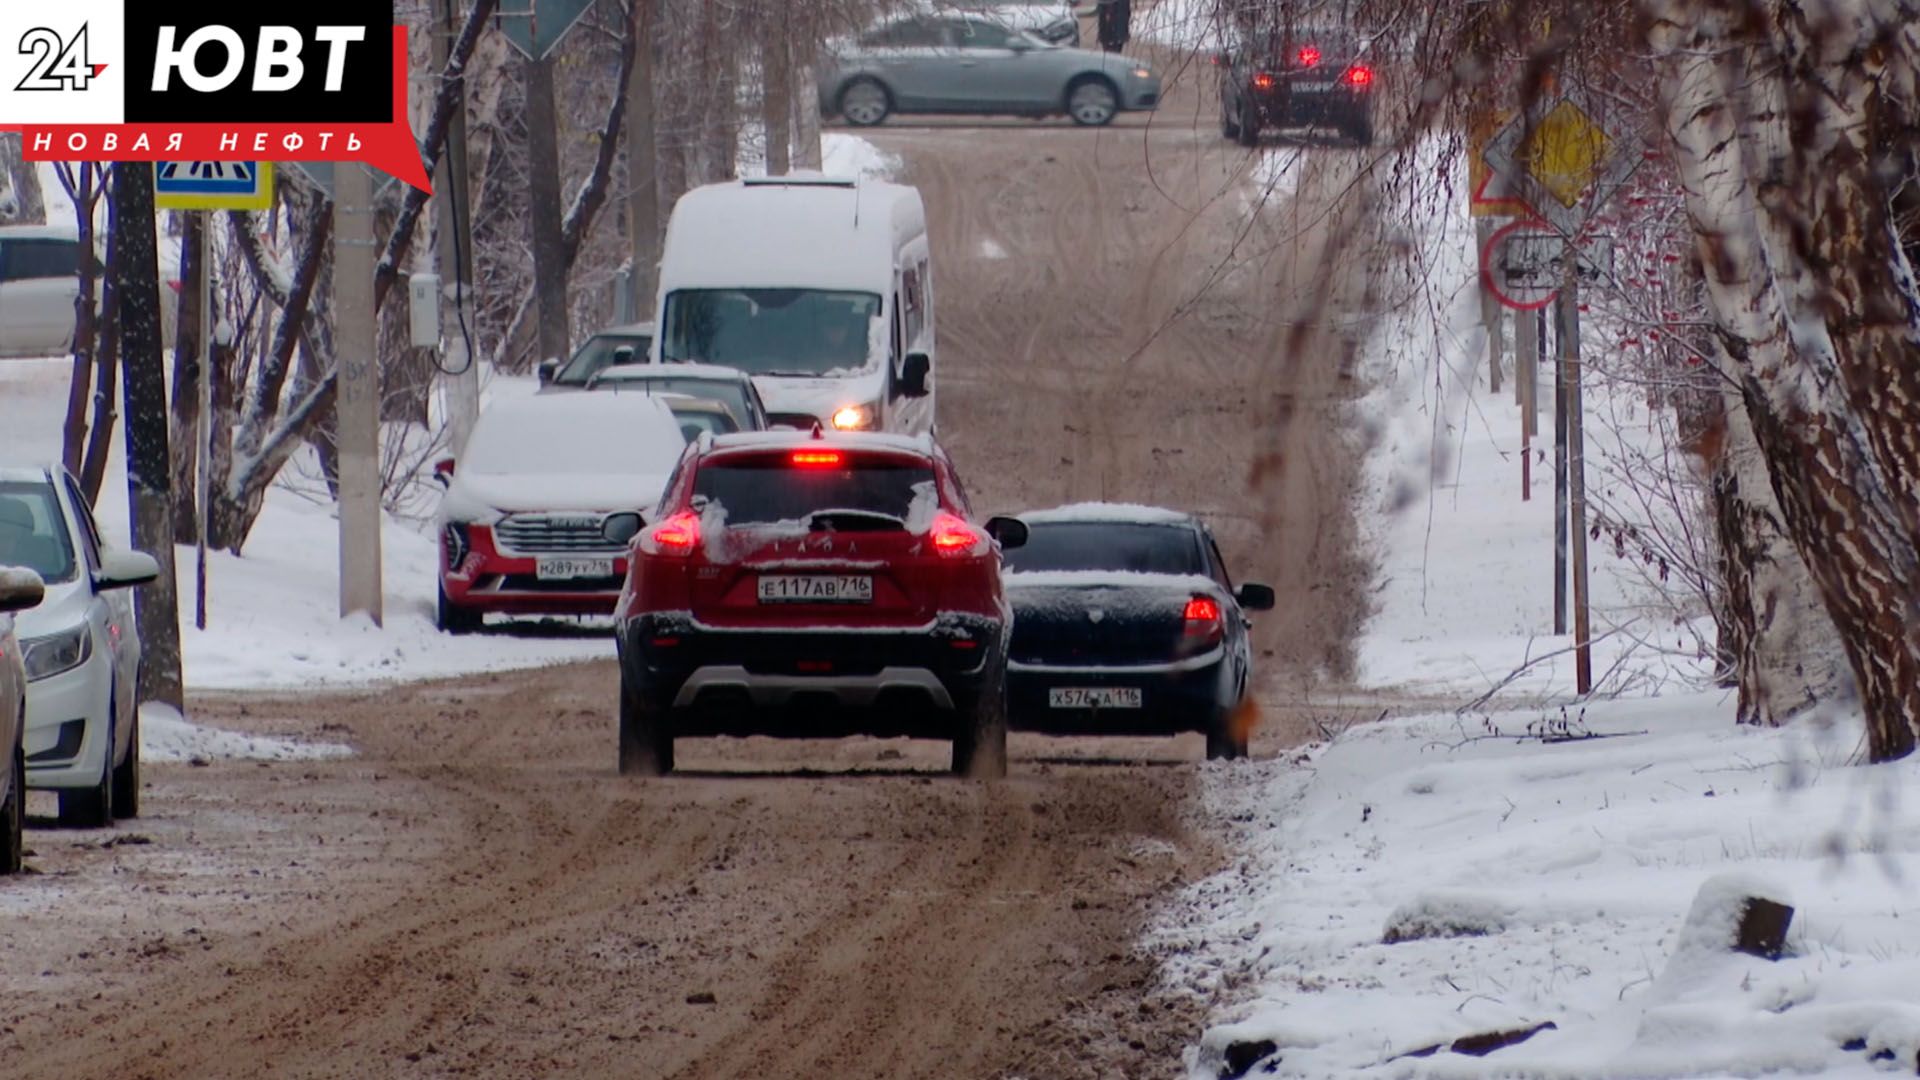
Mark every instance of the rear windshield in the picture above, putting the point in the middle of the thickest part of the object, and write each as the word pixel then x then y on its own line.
pixel 598 354
pixel 1106 545
pixel 763 490
pixel 28 259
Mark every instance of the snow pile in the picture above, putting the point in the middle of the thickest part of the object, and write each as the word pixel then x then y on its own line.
pixel 1419 881
pixel 840 155
pixel 166 736
pixel 273 616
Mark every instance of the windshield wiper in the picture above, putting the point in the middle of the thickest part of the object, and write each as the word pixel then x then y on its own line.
pixel 854 521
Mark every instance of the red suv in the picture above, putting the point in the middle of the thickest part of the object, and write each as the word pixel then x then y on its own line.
pixel 813 586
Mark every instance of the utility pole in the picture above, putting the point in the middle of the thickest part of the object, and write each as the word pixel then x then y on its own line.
pixel 358 402
pixel 149 465
pixel 1560 473
pixel 643 177
pixel 456 253
pixel 543 204
pixel 1576 466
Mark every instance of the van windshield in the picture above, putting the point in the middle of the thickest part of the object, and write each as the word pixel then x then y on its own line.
pixel 770 331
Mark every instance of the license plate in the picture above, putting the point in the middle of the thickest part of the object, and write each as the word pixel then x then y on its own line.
pixel 564 569
pixel 1102 697
pixel 816 589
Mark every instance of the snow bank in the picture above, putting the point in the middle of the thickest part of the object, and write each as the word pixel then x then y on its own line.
pixel 840 155
pixel 166 736
pixel 1421 880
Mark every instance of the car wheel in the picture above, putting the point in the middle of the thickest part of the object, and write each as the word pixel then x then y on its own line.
pixel 126 776
pixel 1092 102
pixel 91 808
pixel 646 745
pixel 865 102
pixel 1361 129
pixel 980 746
pixel 13 817
pixel 1229 123
pixel 1249 125
pixel 454 620
pixel 1223 743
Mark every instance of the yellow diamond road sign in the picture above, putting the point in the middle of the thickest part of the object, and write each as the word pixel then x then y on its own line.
pixel 1566 152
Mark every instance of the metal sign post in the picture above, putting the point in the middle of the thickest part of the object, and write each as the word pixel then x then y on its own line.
pixel 203 493
pixel 1576 474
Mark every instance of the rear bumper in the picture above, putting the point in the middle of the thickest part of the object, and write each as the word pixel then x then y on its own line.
pixel 1309 104
pixel 1140 94
pixel 1174 698
pixel 811 682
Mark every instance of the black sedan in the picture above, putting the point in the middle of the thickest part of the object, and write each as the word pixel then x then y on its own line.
pixel 1296 77
pixel 1126 623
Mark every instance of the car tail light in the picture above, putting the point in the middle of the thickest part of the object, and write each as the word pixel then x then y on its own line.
pixel 1309 56
pixel 1263 81
pixel 1203 619
pixel 955 538
pixel 675 536
pixel 816 458
pixel 1358 75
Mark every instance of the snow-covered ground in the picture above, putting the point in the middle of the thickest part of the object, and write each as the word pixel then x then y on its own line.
pixel 167 736
pixel 1413 882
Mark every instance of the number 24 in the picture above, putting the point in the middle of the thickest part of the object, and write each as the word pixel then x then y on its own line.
pixel 57 64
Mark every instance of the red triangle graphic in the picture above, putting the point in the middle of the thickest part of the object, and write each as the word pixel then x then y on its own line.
pixel 98 68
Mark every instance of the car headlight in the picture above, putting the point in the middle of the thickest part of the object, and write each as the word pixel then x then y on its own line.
pixel 1143 73
pixel 855 417
pixel 56 654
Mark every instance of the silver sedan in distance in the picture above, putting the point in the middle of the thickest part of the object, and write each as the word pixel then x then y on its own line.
pixel 974 65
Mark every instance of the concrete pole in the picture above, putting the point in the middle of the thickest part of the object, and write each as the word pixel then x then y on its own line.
pixel 1577 470
pixel 643 184
pixel 451 191
pixel 358 401
pixel 1490 310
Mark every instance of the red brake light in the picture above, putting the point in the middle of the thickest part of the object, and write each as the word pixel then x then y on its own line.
pixel 1358 75
pixel 676 536
pixel 1263 81
pixel 1309 56
pixel 1203 609
pixel 954 537
pixel 816 457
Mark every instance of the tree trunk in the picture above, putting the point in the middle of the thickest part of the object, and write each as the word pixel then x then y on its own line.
pixel 86 328
pixel 776 96
pixel 106 371
pixel 643 192
pixel 1799 309
pixel 149 473
pixel 183 438
pixel 543 214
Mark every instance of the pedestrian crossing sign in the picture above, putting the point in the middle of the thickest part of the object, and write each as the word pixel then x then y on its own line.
pixel 212 185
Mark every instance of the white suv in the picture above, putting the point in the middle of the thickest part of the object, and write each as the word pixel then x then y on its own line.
pixel 80 646
pixel 39 283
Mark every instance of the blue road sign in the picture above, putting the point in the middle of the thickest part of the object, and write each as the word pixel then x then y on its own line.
pixel 212 185
pixel 536 26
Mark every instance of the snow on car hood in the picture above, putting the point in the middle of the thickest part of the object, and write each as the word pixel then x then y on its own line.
pixel 64 607
pixel 483 497
pixel 820 395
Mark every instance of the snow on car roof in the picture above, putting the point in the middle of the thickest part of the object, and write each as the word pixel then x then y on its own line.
pixel 639 372
pixel 848 440
pixel 1115 513
pixel 578 432
pixel 638 329
pixel 1113 579
pixel 24 474
pixel 772 235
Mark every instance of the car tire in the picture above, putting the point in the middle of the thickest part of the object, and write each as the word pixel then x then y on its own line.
pixel 1092 101
pixel 646 744
pixel 13 817
pixel 1360 129
pixel 91 807
pixel 1229 123
pixel 1248 125
pixel 865 102
pixel 980 746
pixel 454 620
pixel 126 776
pixel 1223 744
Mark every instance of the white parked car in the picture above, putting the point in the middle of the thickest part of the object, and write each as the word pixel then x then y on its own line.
pixel 523 522
pixel 19 590
pixel 39 283
pixel 80 646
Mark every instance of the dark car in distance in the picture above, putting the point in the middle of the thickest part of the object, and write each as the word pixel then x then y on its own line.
pixel 1127 623
pixel 1289 76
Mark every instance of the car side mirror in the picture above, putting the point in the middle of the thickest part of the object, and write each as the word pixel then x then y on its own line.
pixel 443 472
pixel 1008 532
pixel 913 375
pixel 1254 597
pixel 547 370
pixel 20 589
pixel 125 569
pixel 623 356
pixel 622 528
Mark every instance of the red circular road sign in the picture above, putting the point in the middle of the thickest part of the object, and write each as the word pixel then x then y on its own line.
pixel 1516 283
